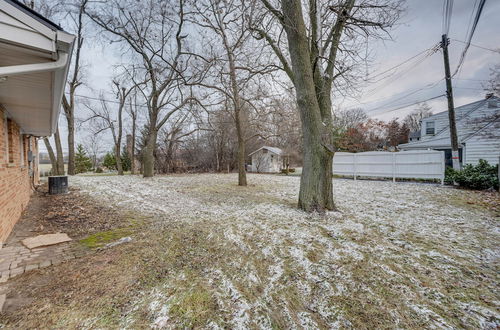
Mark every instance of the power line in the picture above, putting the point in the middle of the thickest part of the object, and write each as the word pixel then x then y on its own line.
pixel 471 34
pixel 447 10
pixel 109 101
pixel 428 86
pixel 477 89
pixel 395 76
pixel 468 29
pixel 408 105
pixel 402 63
pixel 482 47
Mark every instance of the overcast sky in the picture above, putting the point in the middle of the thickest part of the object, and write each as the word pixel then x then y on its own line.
pixel 419 29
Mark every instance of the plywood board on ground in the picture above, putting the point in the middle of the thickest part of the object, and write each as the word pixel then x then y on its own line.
pixel 44 240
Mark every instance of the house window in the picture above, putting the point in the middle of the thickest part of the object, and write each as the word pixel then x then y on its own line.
pixel 429 128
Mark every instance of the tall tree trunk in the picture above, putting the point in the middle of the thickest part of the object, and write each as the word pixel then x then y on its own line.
pixel 316 180
pixel 148 158
pixel 71 144
pixel 59 152
pixel 132 156
pixel 53 160
pixel 242 174
pixel 118 159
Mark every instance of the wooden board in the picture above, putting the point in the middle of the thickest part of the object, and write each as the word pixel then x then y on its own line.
pixel 44 240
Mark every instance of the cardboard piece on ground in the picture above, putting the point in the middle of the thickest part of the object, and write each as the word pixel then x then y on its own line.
pixel 44 240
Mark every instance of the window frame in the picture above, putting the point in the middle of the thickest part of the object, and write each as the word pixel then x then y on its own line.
pixel 430 130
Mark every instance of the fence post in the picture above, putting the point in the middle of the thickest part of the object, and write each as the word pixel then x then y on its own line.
pixel 354 162
pixel 393 167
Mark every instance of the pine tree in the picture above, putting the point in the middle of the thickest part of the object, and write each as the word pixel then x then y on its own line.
pixel 126 162
pixel 83 163
pixel 109 161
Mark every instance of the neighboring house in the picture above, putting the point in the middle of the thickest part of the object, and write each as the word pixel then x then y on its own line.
pixel 478 131
pixel 414 136
pixel 267 160
pixel 34 61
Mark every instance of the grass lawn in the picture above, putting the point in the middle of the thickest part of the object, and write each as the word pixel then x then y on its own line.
pixel 215 255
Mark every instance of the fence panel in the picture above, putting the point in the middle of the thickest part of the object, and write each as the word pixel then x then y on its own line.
pixel 417 164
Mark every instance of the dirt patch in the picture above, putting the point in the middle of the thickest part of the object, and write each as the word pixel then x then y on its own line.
pixel 47 297
pixel 74 213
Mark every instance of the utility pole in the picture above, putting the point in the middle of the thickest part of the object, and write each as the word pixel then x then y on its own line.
pixel 451 108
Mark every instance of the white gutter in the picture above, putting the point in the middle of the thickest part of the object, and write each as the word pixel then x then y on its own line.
pixel 15 70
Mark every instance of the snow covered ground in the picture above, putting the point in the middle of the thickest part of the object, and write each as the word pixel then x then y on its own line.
pixel 393 255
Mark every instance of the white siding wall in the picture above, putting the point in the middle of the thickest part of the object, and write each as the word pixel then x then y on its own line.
pixel 266 162
pixel 478 148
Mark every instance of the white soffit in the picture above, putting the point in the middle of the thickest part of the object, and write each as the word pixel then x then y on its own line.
pixel 32 99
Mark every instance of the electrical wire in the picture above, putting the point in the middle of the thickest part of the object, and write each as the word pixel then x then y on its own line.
pixel 109 101
pixel 471 34
pixel 474 45
pixel 400 64
pixel 447 10
pixel 428 86
pixel 407 105
pixel 395 76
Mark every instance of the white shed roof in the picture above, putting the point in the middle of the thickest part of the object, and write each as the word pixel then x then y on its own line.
pixel 274 150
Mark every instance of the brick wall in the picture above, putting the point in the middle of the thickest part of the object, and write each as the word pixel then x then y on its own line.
pixel 15 181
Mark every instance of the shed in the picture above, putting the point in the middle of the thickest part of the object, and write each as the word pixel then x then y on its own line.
pixel 267 160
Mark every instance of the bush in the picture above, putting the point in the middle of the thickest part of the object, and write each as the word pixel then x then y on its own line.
pixel 99 170
pixel 449 175
pixel 481 176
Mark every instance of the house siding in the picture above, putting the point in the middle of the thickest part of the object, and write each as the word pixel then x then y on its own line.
pixel 264 163
pixel 478 131
pixel 15 180
pixel 476 149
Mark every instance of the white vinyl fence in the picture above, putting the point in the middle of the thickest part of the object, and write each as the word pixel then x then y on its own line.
pixel 417 164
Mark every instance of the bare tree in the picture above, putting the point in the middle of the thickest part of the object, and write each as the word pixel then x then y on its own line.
pixel 153 34
pixel 493 85
pixel 105 118
pixel 348 118
pixel 234 61
pixel 133 112
pixel 93 148
pixel 74 82
pixel 414 119
pixel 322 47
pixel 172 135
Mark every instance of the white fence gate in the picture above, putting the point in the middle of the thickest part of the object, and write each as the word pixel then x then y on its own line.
pixel 417 164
